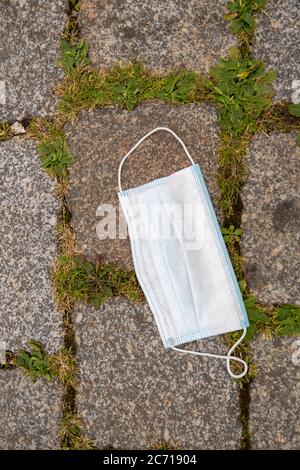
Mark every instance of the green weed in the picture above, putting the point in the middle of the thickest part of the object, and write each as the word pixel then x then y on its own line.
pixel 35 362
pixel 241 14
pixel 258 316
pixel 232 239
pixel 56 157
pixel 231 234
pixel 53 149
pixel 283 319
pixel 242 91
pixel 73 55
pixel 77 279
pixel 38 363
pixel 287 318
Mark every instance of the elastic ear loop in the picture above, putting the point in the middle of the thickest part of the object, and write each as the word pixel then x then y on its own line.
pixel 142 140
pixel 228 357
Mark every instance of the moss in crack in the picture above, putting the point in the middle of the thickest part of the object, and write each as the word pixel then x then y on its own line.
pixel 231 176
pixel 72 434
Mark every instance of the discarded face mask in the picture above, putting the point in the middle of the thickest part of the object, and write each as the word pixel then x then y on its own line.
pixel 191 287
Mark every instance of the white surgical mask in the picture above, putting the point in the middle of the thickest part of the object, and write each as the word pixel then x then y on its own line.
pixel 187 278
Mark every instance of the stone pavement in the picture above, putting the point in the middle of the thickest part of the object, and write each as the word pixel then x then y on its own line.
pixel 132 392
pixel 99 139
pixel 277 43
pixel 274 407
pixel 173 34
pixel 271 218
pixel 30 412
pixel 30 40
pixel 28 248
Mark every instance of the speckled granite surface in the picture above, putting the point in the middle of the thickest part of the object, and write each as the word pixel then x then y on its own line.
pixel 170 34
pixel 275 394
pixel 28 212
pixel 30 35
pixel 134 394
pixel 99 140
pixel 271 218
pixel 277 43
pixel 30 412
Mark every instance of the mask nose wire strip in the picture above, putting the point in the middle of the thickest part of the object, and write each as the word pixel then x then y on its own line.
pixel 142 140
pixel 228 357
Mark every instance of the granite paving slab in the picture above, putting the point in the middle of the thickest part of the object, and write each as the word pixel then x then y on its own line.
pixel 99 139
pixel 30 412
pixel 271 218
pixel 134 394
pixel 28 210
pixel 277 43
pixel 30 34
pixel 275 394
pixel 171 34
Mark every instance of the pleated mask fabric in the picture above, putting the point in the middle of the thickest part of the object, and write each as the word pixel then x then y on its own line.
pixel 181 260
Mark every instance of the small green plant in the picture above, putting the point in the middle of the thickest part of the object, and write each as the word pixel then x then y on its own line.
pixel 78 279
pixel 74 55
pixel 241 14
pixel 258 316
pixel 177 88
pixel 127 85
pixel 294 110
pixel 232 239
pixel 5 131
pixel 232 234
pixel 242 90
pixel 287 318
pixel 35 362
pixel 56 157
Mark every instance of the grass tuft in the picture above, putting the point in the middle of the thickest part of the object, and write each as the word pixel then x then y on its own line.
pixel 79 280
pixel 62 365
pixel 126 86
pixel 5 131
pixel 53 149
pixel 241 14
pixel 242 90
pixel 37 363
